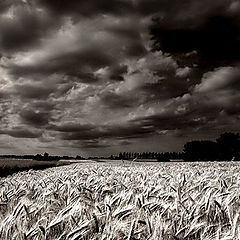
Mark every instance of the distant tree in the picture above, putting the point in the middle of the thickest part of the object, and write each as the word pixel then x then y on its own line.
pixel 200 151
pixel 46 156
pixel 38 157
pixel 229 146
pixel 163 157
pixel 120 156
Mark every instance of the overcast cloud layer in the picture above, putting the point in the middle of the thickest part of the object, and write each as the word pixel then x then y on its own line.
pixel 99 77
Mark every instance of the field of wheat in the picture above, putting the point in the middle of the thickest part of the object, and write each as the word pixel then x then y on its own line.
pixel 122 201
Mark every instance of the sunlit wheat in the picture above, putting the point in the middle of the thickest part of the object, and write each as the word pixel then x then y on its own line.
pixel 122 201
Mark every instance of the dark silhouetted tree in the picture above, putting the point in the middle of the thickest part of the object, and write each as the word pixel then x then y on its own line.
pixel 200 151
pixel 229 146
pixel 46 156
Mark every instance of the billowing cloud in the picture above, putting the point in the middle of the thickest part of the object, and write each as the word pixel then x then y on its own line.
pixel 100 76
pixel 220 78
pixel 219 88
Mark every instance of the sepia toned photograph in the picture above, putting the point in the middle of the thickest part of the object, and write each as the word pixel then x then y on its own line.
pixel 120 120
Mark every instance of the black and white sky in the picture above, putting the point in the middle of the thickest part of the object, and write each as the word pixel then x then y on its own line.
pixel 97 77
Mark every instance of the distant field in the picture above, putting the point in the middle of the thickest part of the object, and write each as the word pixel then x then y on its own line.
pixel 102 200
pixel 10 166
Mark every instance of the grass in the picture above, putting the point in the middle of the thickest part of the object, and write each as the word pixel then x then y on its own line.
pixel 152 201
pixel 10 166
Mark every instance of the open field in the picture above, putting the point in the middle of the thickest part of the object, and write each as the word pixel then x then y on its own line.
pixel 10 166
pixel 123 201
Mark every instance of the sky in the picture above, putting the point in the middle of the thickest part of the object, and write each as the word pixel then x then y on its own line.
pixel 99 77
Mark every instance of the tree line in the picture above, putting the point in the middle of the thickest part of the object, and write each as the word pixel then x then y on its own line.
pixel 224 148
pixel 147 155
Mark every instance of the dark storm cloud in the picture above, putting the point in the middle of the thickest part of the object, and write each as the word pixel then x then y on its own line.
pixel 33 118
pixel 19 132
pixel 213 31
pixel 25 29
pixel 86 8
pixel 121 131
